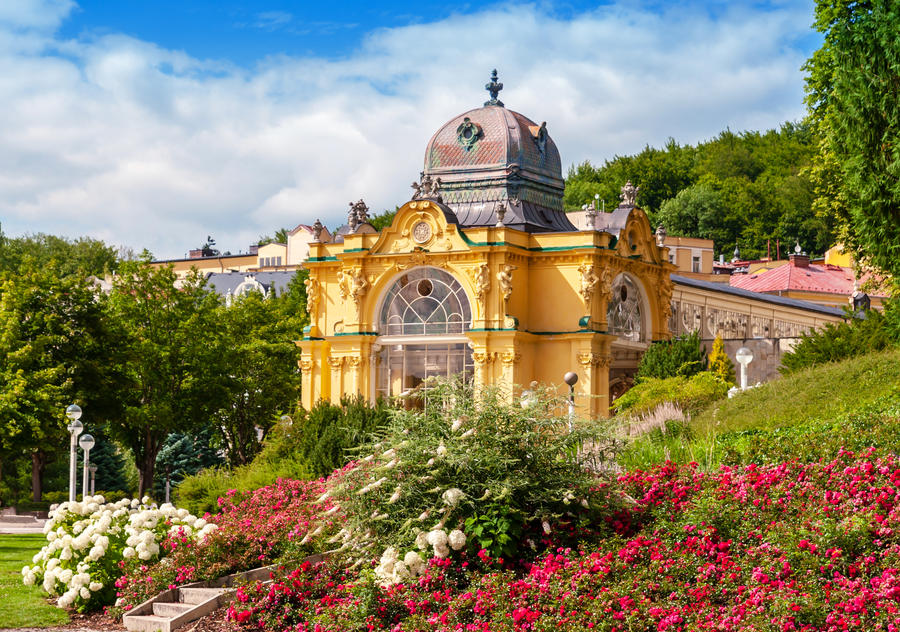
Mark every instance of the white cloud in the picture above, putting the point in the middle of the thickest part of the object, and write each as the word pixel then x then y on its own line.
pixel 146 147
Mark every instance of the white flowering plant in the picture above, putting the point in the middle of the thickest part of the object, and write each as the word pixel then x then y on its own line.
pixel 90 542
pixel 469 472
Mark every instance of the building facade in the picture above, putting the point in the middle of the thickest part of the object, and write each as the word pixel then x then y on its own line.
pixel 482 274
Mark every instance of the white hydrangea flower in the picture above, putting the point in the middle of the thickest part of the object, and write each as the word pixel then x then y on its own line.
pixel 457 539
pixel 452 496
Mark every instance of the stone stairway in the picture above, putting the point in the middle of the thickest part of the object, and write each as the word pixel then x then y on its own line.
pixel 174 608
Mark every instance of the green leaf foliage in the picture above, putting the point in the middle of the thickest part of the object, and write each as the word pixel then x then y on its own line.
pixel 750 188
pixel 681 356
pixel 838 341
pixel 854 99
pixel 691 394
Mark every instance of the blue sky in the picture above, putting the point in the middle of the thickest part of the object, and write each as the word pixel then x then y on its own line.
pixel 154 124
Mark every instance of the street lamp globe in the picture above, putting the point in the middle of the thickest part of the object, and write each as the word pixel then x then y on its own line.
pixel 744 355
pixel 86 442
pixel 73 412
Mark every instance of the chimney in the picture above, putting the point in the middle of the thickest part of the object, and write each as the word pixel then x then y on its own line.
pixel 799 259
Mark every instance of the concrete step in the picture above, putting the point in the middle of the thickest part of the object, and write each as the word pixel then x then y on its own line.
pixel 147 623
pixel 170 609
pixel 198 595
pixel 27 519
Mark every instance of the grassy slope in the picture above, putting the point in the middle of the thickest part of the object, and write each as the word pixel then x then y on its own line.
pixel 821 399
pixel 20 605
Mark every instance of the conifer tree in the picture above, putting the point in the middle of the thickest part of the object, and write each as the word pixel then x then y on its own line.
pixel 719 362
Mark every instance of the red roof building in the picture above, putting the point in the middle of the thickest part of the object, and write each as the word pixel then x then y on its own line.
pixel 820 283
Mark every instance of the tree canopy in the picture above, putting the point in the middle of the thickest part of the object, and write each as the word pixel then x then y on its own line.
pixel 750 189
pixel 853 94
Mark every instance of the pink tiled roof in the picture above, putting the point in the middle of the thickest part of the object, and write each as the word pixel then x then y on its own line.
pixel 828 279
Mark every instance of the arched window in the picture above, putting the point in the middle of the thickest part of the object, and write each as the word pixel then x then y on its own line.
pixel 422 323
pixel 624 315
pixel 425 301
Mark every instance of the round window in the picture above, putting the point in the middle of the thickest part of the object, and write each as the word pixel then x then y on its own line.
pixel 424 287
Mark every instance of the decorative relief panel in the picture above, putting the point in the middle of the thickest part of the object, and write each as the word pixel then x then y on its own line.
pixel 589 281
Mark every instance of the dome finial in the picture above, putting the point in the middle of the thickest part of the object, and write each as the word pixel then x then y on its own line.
pixel 494 87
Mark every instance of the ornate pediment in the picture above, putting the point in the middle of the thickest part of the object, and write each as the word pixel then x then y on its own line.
pixel 420 226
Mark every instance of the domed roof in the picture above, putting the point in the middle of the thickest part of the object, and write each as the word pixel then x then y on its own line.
pixel 493 155
pixel 491 138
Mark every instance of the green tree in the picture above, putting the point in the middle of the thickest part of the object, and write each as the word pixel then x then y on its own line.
pixel 170 359
pixel 262 380
pixel 82 256
pixel 682 355
pixel 720 364
pixel 854 98
pixel 184 455
pixel 53 351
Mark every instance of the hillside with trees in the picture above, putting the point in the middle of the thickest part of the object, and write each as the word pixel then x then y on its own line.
pixel 747 188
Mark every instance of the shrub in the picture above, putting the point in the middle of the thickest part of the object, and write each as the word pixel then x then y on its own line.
pixel 91 541
pixel 311 445
pixel 720 364
pixel 503 474
pixel 691 394
pixel 279 521
pixel 838 341
pixel 680 356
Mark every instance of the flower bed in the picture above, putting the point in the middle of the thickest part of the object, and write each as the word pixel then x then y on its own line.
pixel 783 547
pixel 90 542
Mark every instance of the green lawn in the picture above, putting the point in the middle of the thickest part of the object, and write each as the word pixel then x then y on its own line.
pixel 20 605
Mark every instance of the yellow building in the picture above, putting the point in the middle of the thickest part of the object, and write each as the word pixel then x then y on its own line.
pixel 481 273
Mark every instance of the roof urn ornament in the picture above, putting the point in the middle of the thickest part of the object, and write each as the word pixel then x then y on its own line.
pixel 798 250
pixel 629 194
pixel 661 235
pixel 737 254
pixel 427 188
pixel 590 215
pixel 494 87
pixel 317 229
pixel 501 213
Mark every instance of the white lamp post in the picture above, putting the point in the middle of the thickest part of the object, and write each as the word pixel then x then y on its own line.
pixel 745 357
pixel 86 442
pixel 75 427
pixel 571 378
pixel 93 469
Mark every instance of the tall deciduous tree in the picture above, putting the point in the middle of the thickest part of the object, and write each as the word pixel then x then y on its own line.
pixel 169 359
pixel 263 379
pixel 853 90
pixel 52 352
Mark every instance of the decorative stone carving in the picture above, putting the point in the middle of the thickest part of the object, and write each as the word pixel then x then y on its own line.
pixel 494 87
pixel 317 229
pixel 481 279
pixel 590 359
pixel 589 282
pixel 306 365
pixel 354 362
pixel 482 357
pixel 427 188
pixel 468 133
pixel 501 213
pixel 343 279
pixel 505 278
pixel 510 357
pixel 313 296
pixel 629 194
pixel 661 235
pixel 358 214
pixel 540 139
pixel 421 232
pixel 358 286
pixel 336 362
pixel 665 296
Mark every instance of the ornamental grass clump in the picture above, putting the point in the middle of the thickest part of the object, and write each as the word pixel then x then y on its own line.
pixel 470 471
pixel 90 542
